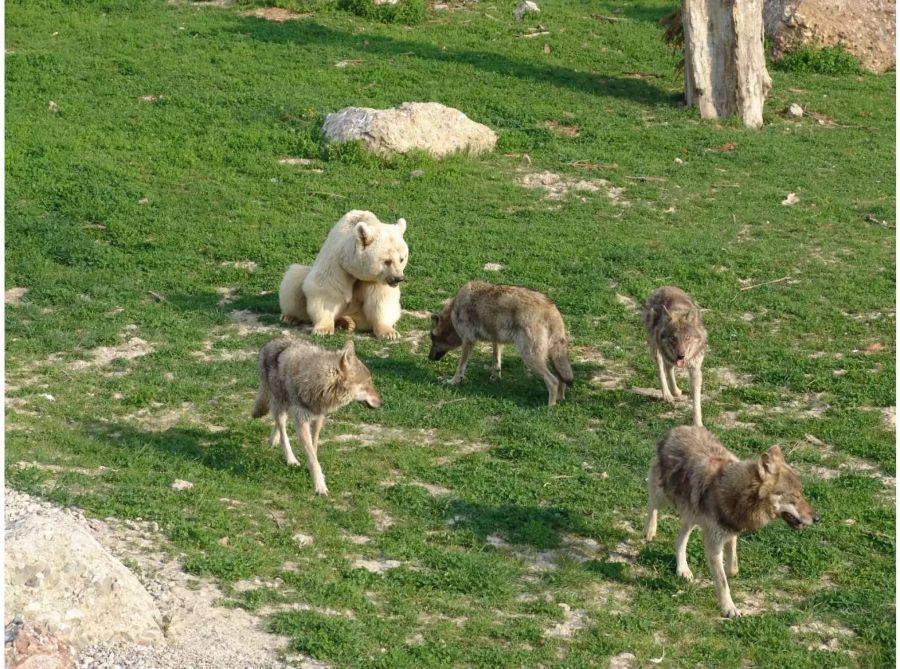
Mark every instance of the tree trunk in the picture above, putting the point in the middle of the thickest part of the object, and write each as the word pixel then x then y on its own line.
pixel 724 63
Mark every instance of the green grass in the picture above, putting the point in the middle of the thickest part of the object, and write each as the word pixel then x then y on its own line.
pixel 112 200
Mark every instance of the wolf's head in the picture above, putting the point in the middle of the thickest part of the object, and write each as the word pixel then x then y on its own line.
pixel 781 488
pixel 682 336
pixel 356 376
pixel 444 336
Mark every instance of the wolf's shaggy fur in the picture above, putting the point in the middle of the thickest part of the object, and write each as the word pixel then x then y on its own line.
pixel 505 314
pixel 725 496
pixel 309 382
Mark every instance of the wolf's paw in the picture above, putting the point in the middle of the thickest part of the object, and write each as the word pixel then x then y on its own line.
pixel 685 573
pixel 322 490
pixel 650 535
pixel 292 462
pixel 730 611
pixel 667 397
pixel 676 391
pixel 496 375
pixel 452 381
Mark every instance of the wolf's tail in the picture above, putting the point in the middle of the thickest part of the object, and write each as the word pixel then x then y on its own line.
pixel 559 356
pixel 261 404
pixel 268 361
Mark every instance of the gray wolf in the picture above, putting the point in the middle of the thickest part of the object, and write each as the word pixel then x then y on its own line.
pixel 505 314
pixel 677 338
pixel 725 496
pixel 307 382
pixel 354 280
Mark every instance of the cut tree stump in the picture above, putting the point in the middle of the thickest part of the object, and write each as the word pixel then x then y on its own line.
pixel 724 62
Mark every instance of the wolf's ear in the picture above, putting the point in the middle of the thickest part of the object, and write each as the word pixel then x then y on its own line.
pixel 347 353
pixel 769 460
pixel 364 233
pixel 401 225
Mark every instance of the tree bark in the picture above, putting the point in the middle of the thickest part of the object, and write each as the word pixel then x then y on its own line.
pixel 724 62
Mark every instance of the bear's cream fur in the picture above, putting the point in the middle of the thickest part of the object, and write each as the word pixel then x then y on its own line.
pixel 354 280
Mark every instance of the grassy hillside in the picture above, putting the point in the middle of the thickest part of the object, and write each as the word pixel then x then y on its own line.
pixel 150 218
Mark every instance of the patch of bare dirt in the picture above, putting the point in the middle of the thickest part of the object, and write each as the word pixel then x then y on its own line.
pixel 629 303
pixel 276 14
pixel 248 265
pixel 226 295
pixel 158 418
pixel 610 597
pixel 614 374
pixel 562 129
pixel 573 621
pixel 422 315
pixel 13 296
pixel 131 348
pixel 98 471
pixel 623 660
pixel 754 603
pixel 557 187
pixel 210 354
pixel 824 636
pixel 849 463
pixel 248 323
pixel 367 435
pixel 492 267
pixel 378 566
pixel 382 519
pixel 728 378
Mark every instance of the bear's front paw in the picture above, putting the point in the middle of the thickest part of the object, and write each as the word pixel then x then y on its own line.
pixel 387 333
pixel 323 329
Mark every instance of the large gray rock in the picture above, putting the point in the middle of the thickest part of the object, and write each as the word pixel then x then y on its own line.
pixel 865 28
pixel 427 126
pixel 59 575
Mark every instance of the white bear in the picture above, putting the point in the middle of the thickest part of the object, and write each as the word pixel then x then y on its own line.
pixel 353 282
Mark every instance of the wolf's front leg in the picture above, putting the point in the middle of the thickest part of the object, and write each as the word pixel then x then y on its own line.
pixel 463 361
pixel 663 383
pixel 312 460
pixel 731 560
pixel 497 360
pixel 696 382
pixel 713 543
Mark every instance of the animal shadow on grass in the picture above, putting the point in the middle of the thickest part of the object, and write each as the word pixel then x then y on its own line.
pixel 514 523
pixel 264 306
pixel 314 34
pixel 225 451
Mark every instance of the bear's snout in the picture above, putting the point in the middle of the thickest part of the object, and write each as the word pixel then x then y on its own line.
pixel 395 280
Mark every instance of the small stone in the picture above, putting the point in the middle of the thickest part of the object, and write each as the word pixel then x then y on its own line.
pixel 492 267
pixel 52 106
pixel 679 161
pixel 524 8
pixel 795 110
pixel 179 484
pixel 416 173
pixel 790 200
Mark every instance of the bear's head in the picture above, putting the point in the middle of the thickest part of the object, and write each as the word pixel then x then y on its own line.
pixel 380 253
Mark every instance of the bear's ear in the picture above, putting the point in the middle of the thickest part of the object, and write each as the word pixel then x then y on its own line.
pixel 401 225
pixel 365 234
